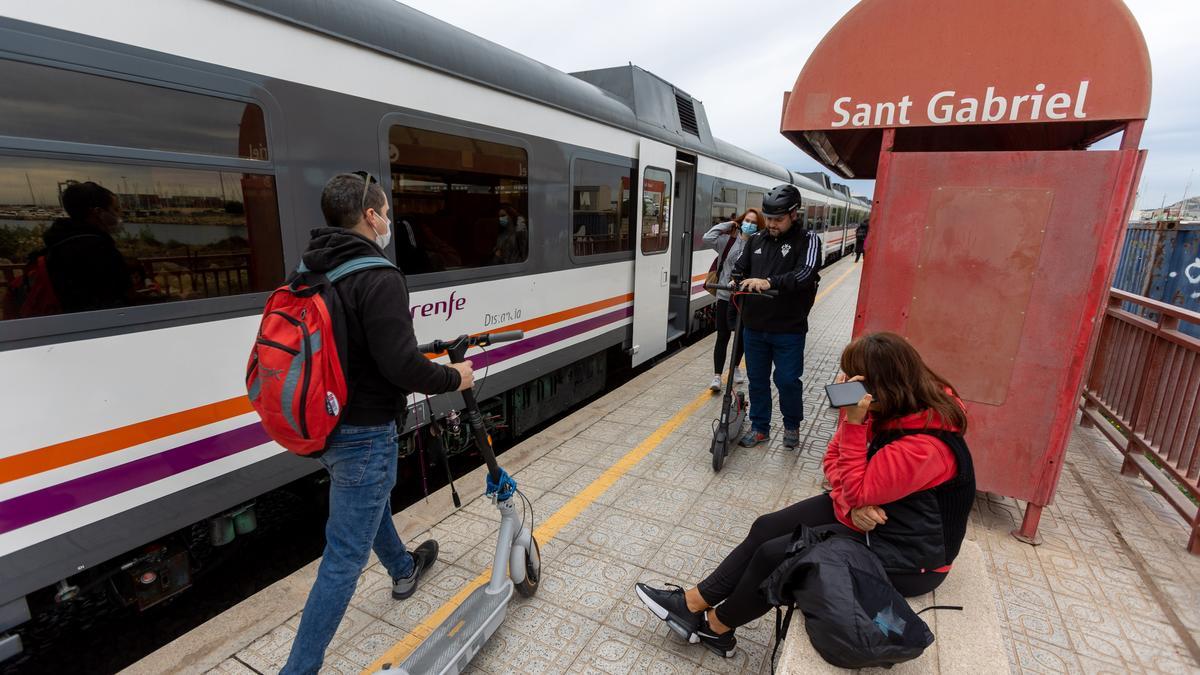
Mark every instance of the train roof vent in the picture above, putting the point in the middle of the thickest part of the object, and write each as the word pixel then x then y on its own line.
pixel 687 113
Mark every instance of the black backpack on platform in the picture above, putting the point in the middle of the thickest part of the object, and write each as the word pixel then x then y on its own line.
pixel 853 615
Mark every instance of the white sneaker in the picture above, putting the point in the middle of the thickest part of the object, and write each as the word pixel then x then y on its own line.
pixel 739 377
pixel 716 383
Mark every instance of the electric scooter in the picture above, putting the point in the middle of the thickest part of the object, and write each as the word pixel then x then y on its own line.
pixel 517 564
pixel 734 406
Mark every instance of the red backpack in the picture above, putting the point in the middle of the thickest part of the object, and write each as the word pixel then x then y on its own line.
pixel 32 294
pixel 295 378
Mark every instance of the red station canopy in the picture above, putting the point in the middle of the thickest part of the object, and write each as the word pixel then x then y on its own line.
pixel 960 75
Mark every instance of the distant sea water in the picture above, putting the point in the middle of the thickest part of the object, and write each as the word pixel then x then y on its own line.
pixel 191 235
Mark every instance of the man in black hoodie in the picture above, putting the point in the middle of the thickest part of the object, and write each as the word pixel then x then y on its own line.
pixel 383 367
pixel 784 257
pixel 86 269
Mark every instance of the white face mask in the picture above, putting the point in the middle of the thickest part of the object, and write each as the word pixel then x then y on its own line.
pixel 384 239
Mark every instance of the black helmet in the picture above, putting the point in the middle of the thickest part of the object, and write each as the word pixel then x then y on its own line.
pixel 780 200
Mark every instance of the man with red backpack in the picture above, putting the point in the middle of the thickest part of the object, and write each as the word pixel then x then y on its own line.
pixel 382 367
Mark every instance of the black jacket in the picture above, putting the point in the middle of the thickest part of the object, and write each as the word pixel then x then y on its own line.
pixel 860 232
pixel 86 269
pixel 924 531
pixel 380 350
pixel 790 262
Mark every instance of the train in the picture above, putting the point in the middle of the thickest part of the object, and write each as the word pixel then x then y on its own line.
pixel 567 205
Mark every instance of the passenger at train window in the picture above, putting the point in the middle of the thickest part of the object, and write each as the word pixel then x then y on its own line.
pixel 383 367
pixel 899 470
pixel 512 241
pixel 860 238
pixel 728 239
pixel 80 268
pixel 786 258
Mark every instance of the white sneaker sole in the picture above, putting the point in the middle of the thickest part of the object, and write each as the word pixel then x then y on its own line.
pixel 719 652
pixel 662 613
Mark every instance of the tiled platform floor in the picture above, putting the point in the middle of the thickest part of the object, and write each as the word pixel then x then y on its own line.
pixel 1076 604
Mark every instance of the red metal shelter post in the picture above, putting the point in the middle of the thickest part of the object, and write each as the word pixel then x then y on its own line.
pixel 995 230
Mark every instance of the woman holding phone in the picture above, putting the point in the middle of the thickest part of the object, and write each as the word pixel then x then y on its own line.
pixel 898 469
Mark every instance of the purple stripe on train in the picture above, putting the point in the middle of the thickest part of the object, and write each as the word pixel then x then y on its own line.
pixel 72 494
pixel 51 501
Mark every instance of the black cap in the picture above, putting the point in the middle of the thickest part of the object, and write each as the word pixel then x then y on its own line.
pixel 780 200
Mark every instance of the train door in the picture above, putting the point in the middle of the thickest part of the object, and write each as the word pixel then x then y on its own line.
pixel 682 224
pixel 652 266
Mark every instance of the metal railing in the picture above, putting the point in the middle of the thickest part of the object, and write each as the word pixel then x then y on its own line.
pixel 1143 394
pixel 199 276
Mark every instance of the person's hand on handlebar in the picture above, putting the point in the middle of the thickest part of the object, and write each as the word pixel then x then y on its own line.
pixel 465 372
pixel 756 285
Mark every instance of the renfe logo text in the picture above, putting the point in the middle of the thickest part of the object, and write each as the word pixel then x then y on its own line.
pixel 947 107
pixel 447 307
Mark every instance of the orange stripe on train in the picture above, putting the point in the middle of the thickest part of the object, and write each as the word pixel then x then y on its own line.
pixel 80 449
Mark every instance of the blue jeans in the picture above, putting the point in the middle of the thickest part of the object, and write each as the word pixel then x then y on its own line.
pixel 361 462
pixel 786 352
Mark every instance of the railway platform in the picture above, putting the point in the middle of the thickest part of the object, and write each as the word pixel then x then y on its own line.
pixel 623 491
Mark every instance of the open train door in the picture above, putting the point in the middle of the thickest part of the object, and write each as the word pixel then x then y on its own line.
pixel 652 267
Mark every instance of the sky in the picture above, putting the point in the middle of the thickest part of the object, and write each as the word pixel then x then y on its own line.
pixel 739 58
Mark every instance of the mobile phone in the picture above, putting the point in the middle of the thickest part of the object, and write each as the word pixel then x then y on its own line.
pixel 845 394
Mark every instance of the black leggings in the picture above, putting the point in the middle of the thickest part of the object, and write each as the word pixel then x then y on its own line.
pixel 726 322
pixel 734 584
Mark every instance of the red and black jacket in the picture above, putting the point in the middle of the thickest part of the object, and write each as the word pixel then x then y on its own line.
pixel 919 470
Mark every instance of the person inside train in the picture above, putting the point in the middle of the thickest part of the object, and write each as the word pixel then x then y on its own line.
pixel 85 268
pixel 898 468
pixel 860 239
pixel 512 241
pixel 783 257
pixel 383 367
pixel 728 239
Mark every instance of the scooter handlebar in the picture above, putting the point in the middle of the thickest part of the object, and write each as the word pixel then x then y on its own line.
pixel 734 288
pixel 483 340
pixel 506 336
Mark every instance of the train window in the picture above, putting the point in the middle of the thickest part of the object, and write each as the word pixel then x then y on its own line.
pixel 754 200
pixel 817 215
pixel 724 204
pixel 459 202
pixel 600 207
pixel 656 210
pixel 77 236
pixel 64 105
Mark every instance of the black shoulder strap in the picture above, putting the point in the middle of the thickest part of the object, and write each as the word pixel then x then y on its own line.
pixel 951 438
pixel 957 608
pixel 782 622
pixel 728 248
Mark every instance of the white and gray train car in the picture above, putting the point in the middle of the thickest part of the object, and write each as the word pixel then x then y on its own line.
pixel 216 124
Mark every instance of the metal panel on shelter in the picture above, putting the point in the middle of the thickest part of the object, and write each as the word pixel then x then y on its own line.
pixel 997 264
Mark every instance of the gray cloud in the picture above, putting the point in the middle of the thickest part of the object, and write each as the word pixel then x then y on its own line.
pixel 739 58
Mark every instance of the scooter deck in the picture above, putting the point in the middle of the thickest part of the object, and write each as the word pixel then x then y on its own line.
pixel 450 647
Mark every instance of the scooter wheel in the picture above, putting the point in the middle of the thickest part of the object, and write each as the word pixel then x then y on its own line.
pixel 533 571
pixel 718 454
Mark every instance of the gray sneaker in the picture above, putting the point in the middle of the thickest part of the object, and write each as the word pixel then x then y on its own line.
pixel 753 438
pixel 791 438
pixel 423 557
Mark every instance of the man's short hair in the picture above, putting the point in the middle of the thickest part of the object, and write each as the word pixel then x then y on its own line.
pixel 80 198
pixel 341 200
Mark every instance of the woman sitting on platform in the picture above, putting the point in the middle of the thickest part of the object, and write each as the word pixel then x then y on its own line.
pixel 898 468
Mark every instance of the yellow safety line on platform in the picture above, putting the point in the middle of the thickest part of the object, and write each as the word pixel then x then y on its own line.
pixel 569 511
